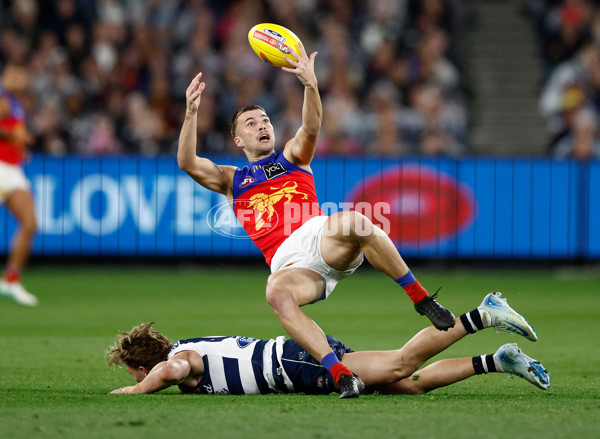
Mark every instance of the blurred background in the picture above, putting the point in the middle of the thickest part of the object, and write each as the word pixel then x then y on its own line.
pixel 476 120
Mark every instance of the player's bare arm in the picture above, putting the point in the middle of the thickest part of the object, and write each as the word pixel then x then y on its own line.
pixel 4 107
pixel 210 175
pixel 301 149
pixel 165 374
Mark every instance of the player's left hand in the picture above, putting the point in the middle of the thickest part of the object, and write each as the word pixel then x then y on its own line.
pixel 123 390
pixel 304 66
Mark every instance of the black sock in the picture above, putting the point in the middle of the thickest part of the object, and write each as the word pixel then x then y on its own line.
pixel 472 321
pixel 484 364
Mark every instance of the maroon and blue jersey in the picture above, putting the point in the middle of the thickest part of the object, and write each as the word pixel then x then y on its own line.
pixel 10 151
pixel 271 199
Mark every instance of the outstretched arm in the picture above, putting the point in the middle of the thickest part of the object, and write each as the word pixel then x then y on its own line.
pixel 301 149
pixel 163 375
pixel 208 174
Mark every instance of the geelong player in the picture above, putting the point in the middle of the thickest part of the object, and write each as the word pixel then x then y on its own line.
pixel 274 198
pixel 14 187
pixel 244 365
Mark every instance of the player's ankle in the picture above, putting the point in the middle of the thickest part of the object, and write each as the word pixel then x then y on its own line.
pixel 334 366
pixel 12 274
pixel 412 287
pixel 338 370
pixel 475 320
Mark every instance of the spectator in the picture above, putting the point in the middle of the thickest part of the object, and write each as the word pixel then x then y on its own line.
pixel 434 125
pixel 131 60
pixel 578 138
pixel 569 101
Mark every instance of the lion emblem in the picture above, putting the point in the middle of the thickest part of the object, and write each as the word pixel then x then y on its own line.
pixel 263 203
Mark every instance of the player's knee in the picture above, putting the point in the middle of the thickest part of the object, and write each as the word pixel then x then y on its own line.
pixel 404 366
pixel 412 386
pixel 359 224
pixel 277 294
pixel 29 226
pixel 353 224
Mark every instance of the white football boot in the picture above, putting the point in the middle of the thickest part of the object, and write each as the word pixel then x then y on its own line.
pixel 15 291
pixel 504 318
pixel 516 362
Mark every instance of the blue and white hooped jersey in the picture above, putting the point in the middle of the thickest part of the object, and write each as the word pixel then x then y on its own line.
pixel 237 365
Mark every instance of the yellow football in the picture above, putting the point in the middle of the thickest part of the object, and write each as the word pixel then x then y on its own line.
pixel 271 42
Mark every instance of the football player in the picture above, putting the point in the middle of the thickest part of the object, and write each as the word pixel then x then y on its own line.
pixel 275 200
pixel 244 365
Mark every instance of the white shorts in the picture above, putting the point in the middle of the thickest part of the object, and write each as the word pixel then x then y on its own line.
pixel 302 249
pixel 12 178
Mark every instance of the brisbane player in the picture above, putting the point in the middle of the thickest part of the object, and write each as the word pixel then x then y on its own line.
pixel 274 198
pixel 14 186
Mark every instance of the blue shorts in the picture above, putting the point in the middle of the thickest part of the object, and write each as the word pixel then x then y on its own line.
pixel 306 373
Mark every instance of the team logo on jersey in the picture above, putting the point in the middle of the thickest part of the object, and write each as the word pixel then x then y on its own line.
pixel 273 170
pixel 248 180
pixel 208 388
pixel 243 342
pixel 264 204
pixel 222 391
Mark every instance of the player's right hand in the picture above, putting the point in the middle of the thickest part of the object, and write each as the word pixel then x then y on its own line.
pixel 193 94
pixel 123 390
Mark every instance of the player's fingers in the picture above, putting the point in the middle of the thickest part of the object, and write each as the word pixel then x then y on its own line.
pixel 293 52
pixel 195 81
pixel 313 56
pixel 302 50
pixel 193 86
pixel 289 70
pixel 290 61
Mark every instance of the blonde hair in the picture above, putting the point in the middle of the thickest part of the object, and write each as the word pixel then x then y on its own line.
pixel 142 346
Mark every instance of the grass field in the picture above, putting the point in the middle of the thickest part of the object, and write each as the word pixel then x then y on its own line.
pixel 54 381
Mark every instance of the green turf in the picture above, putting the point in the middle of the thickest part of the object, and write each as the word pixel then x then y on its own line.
pixel 54 381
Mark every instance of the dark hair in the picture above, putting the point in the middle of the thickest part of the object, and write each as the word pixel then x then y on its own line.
pixel 234 118
pixel 142 346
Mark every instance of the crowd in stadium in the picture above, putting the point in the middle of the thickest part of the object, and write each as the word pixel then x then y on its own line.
pixel 109 76
pixel 569 41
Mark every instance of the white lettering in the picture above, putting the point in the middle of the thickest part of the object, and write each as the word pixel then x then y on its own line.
pixel 114 212
pixel 192 202
pixel 45 189
pixel 147 212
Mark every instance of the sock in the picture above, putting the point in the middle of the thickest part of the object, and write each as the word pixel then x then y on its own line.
pixel 486 364
pixel 12 274
pixel 412 287
pixel 473 321
pixel 334 366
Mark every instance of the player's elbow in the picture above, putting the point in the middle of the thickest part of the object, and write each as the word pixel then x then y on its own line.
pixel 312 133
pixel 174 372
pixel 184 163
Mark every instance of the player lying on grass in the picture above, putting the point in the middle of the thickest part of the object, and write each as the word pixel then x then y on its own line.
pixel 275 200
pixel 244 365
